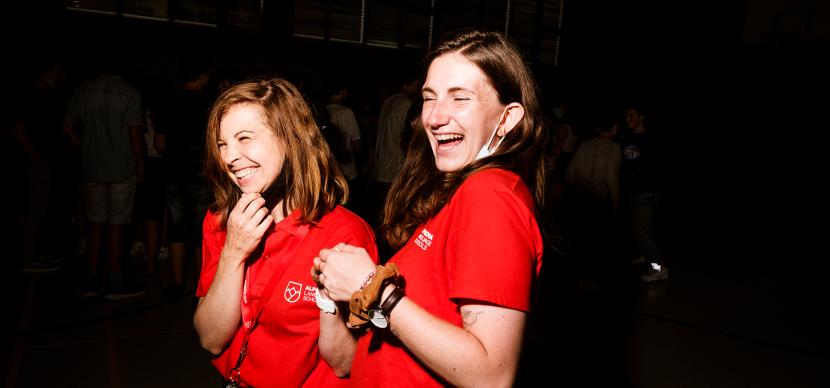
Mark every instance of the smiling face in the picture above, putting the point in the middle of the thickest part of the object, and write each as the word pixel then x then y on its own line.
pixel 251 152
pixel 461 110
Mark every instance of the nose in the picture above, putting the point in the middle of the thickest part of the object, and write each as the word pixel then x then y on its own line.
pixel 435 114
pixel 229 153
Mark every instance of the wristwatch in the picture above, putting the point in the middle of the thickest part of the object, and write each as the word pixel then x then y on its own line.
pixel 379 316
pixel 324 303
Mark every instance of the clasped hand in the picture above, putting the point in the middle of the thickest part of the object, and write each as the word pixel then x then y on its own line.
pixel 341 270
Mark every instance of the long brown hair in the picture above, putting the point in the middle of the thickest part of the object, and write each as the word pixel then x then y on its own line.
pixel 421 190
pixel 315 184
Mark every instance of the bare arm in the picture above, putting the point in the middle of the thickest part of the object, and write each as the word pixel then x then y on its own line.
pixel 485 352
pixel 337 343
pixel 218 315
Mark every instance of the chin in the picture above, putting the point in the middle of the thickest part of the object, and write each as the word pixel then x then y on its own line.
pixel 247 189
pixel 449 165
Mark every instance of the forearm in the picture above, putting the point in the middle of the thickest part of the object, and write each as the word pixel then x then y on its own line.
pixel 484 352
pixel 336 343
pixel 219 314
pixel 460 356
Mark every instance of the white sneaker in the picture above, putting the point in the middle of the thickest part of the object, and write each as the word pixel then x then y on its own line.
pixel 655 272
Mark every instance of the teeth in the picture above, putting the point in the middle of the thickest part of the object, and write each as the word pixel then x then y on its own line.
pixel 448 137
pixel 245 172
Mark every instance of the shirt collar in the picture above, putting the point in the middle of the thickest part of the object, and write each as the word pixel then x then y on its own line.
pixel 291 224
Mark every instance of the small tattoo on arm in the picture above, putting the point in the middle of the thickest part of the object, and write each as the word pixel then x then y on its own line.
pixel 470 317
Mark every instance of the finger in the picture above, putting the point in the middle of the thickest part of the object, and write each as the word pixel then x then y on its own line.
pixel 262 227
pixel 244 200
pixel 242 203
pixel 255 205
pixel 258 218
pixel 315 267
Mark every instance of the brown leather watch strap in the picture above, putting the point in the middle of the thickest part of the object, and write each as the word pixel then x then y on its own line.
pixel 391 301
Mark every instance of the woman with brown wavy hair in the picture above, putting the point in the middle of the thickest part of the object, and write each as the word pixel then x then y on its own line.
pixel 278 192
pixel 462 215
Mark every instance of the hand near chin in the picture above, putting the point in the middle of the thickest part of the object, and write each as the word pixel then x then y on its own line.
pixel 247 223
pixel 341 270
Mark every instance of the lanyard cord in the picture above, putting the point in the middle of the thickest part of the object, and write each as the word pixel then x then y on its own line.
pixel 248 326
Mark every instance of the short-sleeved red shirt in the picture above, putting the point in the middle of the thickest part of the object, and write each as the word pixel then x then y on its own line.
pixel 282 351
pixel 484 245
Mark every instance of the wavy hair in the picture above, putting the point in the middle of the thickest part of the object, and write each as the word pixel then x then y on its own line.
pixel 421 190
pixel 315 184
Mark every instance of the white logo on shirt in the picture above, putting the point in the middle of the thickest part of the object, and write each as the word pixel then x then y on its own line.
pixel 632 152
pixel 310 294
pixel 424 239
pixel 292 292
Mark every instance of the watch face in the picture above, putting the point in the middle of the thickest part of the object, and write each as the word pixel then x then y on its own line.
pixel 378 319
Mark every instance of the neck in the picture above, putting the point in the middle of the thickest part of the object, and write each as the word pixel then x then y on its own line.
pixel 275 195
pixel 277 212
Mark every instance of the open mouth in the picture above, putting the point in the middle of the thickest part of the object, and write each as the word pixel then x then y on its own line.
pixel 244 173
pixel 449 140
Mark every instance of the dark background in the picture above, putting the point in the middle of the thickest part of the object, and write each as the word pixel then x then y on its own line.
pixel 737 91
pixel 737 88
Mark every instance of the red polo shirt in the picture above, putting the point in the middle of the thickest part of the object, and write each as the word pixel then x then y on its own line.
pixel 484 245
pixel 282 350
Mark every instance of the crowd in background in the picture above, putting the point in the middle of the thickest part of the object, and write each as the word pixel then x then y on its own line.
pixel 605 182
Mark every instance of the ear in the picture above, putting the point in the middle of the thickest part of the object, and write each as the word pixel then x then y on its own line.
pixel 514 112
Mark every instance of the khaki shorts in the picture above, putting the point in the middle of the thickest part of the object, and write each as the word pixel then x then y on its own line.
pixel 110 203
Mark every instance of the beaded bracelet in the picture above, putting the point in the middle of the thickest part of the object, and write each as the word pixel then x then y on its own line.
pixel 368 279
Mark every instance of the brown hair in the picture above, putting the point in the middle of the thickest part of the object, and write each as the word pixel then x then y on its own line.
pixel 421 190
pixel 315 184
